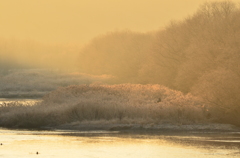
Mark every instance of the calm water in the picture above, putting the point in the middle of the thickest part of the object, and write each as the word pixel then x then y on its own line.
pixel 103 144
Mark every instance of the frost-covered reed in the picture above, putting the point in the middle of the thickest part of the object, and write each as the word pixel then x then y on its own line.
pixel 123 103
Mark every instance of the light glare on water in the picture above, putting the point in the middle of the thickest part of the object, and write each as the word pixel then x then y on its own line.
pixel 23 101
pixel 63 144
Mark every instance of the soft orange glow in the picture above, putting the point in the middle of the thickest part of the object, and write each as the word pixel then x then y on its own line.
pixel 81 20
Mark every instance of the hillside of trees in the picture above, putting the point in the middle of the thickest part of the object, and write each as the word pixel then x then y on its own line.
pixel 199 55
pixel 121 54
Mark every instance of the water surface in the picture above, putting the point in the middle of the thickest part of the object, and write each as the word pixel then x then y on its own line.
pixel 104 144
pixel 24 101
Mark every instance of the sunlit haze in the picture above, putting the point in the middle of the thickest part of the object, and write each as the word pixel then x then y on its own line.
pixel 79 21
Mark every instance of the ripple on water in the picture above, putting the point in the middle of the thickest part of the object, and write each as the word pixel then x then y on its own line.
pixel 62 144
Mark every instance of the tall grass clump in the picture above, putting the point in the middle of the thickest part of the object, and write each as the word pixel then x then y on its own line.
pixel 124 103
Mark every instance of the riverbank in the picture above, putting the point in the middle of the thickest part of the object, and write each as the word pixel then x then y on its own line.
pixel 120 107
pixel 94 126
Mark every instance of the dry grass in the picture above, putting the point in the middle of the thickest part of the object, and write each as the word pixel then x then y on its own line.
pixel 124 103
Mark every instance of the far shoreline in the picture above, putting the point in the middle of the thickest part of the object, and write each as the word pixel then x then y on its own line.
pixel 137 128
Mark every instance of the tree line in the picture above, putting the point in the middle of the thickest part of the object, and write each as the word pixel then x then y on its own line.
pixel 198 55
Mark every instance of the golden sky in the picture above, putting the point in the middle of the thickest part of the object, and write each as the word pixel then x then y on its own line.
pixel 69 21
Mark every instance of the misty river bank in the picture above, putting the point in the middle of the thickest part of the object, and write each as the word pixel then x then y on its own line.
pixel 101 138
pixel 127 126
pixel 149 128
pixel 184 74
pixel 123 107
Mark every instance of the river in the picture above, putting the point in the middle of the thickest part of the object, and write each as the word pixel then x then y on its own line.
pixel 105 144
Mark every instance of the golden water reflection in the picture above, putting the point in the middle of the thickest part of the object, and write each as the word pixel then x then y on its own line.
pixel 65 144
pixel 20 101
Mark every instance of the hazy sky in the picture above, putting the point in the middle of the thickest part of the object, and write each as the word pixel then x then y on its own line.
pixel 81 20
